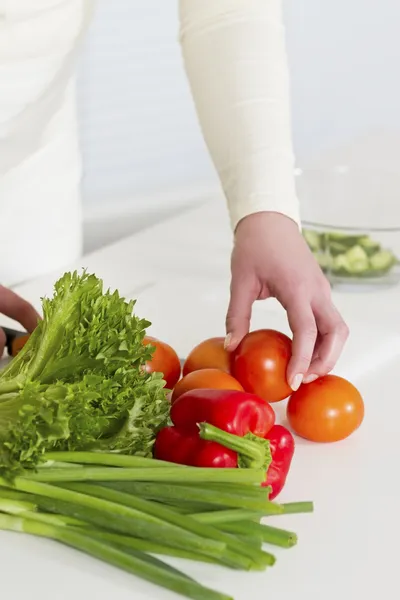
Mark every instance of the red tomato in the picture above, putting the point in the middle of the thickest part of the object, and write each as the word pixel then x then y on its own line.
pixel 209 354
pixel 165 360
pixel 260 363
pixel 205 378
pixel 326 410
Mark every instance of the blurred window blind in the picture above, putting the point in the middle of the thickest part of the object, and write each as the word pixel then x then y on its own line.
pixel 139 132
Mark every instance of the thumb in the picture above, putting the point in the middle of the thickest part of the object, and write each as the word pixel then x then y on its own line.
pixel 239 312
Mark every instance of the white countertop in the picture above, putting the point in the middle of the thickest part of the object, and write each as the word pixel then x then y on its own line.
pixel 347 549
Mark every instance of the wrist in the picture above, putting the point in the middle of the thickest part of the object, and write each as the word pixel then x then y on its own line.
pixel 266 219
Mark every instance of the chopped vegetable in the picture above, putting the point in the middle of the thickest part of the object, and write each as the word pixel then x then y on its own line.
pixel 79 381
pixel 350 256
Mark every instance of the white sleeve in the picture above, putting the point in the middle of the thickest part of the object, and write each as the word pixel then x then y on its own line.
pixel 235 58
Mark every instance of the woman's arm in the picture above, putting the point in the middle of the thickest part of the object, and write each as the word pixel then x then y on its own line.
pixel 235 58
pixel 234 52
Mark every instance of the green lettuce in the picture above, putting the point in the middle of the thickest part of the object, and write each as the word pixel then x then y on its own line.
pixel 79 381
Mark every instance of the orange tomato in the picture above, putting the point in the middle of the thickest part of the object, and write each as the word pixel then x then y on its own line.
pixel 164 360
pixel 205 378
pixel 209 354
pixel 19 343
pixel 260 363
pixel 326 410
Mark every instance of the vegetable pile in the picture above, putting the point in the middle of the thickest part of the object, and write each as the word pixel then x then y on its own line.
pixel 104 447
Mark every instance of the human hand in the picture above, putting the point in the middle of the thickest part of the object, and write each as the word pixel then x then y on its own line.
pixel 16 308
pixel 271 259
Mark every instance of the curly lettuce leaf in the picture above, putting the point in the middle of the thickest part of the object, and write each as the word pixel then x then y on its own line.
pixel 79 381
pixel 82 329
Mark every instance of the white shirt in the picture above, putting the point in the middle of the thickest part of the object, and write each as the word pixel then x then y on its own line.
pixel 235 59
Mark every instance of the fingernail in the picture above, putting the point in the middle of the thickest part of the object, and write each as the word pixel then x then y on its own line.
pixel 310 378
pixel 296 382
pixel 228 340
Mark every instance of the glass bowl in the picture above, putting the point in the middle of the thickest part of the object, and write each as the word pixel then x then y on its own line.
pixel 351 222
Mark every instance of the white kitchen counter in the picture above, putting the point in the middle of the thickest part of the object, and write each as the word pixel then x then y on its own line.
pixel 347 549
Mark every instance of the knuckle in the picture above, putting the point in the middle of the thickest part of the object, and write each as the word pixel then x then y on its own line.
pixel 343 330
pixel 340 329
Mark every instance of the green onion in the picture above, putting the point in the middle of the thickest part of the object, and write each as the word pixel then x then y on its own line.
pixel 137 564
pixel 297 507
pixel 254 491
pixel 154 509
pixel 108 459
pixel 163 514
pixel 181 493
pixel 126 509
pixel 268 534
pixel 121 519
pixel 226 516
pixel 168 474
pixel 229 559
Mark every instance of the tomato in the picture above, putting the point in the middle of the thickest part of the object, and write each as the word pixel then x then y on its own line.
pixel 260 364
pixel 209 354
pixel 19 343
pixel 206 378
pixel 165 360
pixel 326 410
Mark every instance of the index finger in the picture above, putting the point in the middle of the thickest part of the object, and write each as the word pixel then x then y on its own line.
pixel 18 309
pixel 239 311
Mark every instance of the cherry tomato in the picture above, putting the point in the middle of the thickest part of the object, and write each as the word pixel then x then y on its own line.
pixel 209 354
pixel 19 343
pixel 205 378
pixel 326 410
pixel 165 360
pixel 260 364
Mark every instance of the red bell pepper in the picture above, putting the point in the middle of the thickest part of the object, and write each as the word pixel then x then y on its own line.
pixel 281 443
pixel 218 428
pixel 203 420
